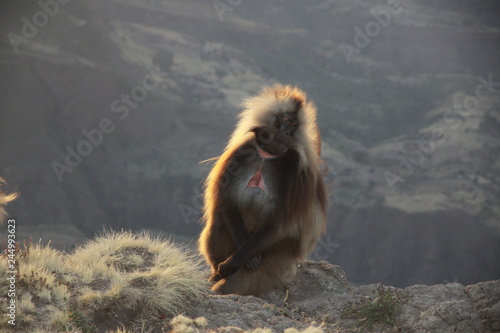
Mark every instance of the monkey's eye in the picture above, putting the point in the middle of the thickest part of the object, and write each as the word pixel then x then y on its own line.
pixel 264 135
pixel 290 121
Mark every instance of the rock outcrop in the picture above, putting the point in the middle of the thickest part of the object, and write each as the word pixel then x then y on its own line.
pixel 321 297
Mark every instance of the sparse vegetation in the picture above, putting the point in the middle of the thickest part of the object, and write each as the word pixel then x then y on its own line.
pixel 375 312
pixel 310 329
pixel 182 324
pixel 117 279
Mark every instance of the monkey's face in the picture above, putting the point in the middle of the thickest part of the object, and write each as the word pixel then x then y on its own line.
pixel 277 137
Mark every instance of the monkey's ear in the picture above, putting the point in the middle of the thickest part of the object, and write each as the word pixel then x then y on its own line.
pixel 297 105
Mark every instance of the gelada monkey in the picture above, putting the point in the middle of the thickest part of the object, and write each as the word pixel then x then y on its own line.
pixel 265 200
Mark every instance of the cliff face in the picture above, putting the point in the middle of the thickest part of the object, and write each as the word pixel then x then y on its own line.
pixel 109 106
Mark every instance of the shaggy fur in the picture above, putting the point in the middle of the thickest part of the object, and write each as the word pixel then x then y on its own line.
pixel 294 203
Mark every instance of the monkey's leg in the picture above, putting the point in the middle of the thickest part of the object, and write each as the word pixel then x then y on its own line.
pixel 231 218
pixel 278 267
pixel 217 246
pixel 231 224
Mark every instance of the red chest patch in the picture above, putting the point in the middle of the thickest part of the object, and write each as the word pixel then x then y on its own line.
pixel 258 180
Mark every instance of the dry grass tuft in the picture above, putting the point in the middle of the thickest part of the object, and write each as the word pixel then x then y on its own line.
pixel 41 293
pixel 150 276
pixel 182 324
pixel 116 280
pixel 310 329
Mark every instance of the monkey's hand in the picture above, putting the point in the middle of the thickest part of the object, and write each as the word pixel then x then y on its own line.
pixel 226 268
pixel 254 263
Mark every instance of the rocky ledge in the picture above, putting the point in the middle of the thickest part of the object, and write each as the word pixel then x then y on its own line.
pixel 321 297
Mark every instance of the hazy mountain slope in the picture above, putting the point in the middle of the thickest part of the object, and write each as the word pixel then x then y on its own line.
pixel 442 220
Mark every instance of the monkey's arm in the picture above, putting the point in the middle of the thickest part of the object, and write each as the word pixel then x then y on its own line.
pixel 249 250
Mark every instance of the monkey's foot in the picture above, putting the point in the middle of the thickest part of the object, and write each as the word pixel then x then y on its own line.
pixel 226 268
pixel 215 277
pixel 254 263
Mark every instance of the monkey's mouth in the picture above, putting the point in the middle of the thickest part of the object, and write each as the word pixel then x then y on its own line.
pixel 264 154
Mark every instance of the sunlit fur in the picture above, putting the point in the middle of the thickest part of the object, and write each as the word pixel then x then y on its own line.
pixel 273 100
pixel 303 202
pixel 4 199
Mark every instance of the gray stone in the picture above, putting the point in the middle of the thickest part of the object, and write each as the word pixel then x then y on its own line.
pixel 320 295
